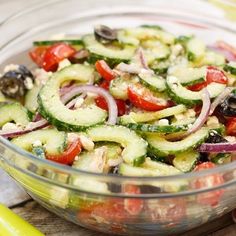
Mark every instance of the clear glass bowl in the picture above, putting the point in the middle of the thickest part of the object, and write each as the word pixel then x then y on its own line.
pixel 171 204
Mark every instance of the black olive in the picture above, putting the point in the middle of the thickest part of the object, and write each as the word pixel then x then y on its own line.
pixel 104 34
pixel 228 106
pixel 13 83
pixel 214 137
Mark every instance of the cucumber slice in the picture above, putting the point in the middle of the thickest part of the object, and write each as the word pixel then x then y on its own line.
pixel 31 98
pixel 111 55
pixel 160 67
pixel 127 39
pixel 151 116
pixel 231 67
pixel 53 141
pixel 182 95
pixel 119 88
pixel 157 128
pixel 14 112
pixel 212 58
pixel 52 109
pixel 161 147
pixel 51 42
pixel 186 161
pixel 195 49
pixel 188 76
pixel 135 147
pixel 153 82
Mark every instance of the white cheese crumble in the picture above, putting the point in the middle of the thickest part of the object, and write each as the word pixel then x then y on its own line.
pixel 79 102
pixel 41 76
pixel 62 64
pixel 173 79
pixel 37 143
pixel 28 83
pixel 10 67
pixel 9 126
pixel 163 122
pixel 86 142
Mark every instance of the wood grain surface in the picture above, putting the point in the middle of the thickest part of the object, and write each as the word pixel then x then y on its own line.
pixel 51 225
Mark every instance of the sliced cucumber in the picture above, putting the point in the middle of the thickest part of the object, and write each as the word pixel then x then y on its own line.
pixel 160 67
pixel 135 147
pixel 127 39
pixel 51 42
pixel 14 112
pixel 157 128
pixel 31 98
pixel 231 67
pixel 182 95
pixel 161 147
pixel 109 54
pixel 195 49
pixel 52 109
pixel 151 116
pixel 212 58
pixel 188 76
pixel 186 161
pixel 53 141
pixel 119 88
pixel 153 82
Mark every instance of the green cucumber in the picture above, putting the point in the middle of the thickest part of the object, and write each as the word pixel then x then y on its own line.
pixel 53 141
pixel 195 49
pixel 151 116
pixel 182 95
pixel 188 76
pixel 111 55
pixel 127 39
pixel 231 67
pixel 212 58
pixel 153 82
pixel 221 158
pixel 52 109
pixel 186 161
pixel 51 42
pixel 160 67
pixel 156 128
pixel 135 147
pixel 14 112
pixel 161 147
pixel 31 98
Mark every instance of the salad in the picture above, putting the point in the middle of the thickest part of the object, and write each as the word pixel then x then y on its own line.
pixel 133 101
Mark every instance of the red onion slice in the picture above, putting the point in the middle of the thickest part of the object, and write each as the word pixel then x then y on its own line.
pixel 112 107
pixel 218 147
pixel 30 127
pixel 220 99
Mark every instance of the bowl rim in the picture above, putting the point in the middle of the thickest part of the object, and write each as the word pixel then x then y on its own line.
pixel 68 169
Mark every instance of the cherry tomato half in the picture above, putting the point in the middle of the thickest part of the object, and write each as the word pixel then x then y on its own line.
pixel 104 70
pixel 212 197
pixel 143 98
pixel 231 126
pixel 68 156
pixel 37 55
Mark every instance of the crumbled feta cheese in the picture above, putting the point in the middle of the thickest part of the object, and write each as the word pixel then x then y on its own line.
pixel 179 117
pixel 173 79
pixel 72 137
pixel 41 76
pixel 10 67
pixel 212 121
pixel 37 143
pixel 99 160
pixel 28 83
pixel 230 139
pixel 9 126
pixel 62 64
pixel 190 113
pixel 163 122
pixel 176 49
pixel 86 142
pixel 79 102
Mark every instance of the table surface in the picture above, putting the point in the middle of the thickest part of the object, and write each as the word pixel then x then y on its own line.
pixel 51 225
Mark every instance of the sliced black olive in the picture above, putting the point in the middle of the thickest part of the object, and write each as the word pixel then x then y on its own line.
pixel 228 107
pixel 104 34
pixel 13 82
pixel 214 137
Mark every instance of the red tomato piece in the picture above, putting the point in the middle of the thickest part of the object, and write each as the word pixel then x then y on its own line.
pixel 101 102
pixel 143 98
pixel 105 84
pixel 104 70
pixel 231 126
pixel 56 53
pixel 133 206
pixel 212 197
pixel 213 75
pixel 68 156
pixel 37 55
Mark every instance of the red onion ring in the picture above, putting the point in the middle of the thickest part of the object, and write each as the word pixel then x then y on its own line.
pixel 30 127
pixel 218 147
pixel 142 58
pixel 112 107
pixel 206 104
pixel 129 68
pixel 220 99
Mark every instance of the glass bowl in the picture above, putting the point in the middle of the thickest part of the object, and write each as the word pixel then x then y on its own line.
pixel 166 205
